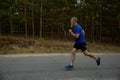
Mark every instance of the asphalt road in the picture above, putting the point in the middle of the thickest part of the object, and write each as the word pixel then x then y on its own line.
pixel 51 67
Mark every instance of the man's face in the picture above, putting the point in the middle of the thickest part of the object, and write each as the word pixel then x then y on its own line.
pixel 73 22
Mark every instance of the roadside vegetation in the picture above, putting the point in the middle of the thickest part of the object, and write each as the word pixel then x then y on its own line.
pixel 15 45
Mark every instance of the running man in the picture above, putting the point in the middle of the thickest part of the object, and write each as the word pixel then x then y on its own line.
pixel 80 43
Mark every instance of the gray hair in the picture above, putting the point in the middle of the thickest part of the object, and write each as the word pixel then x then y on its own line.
pixel 74 18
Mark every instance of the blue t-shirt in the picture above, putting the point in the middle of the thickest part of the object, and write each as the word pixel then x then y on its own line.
pixel 78 30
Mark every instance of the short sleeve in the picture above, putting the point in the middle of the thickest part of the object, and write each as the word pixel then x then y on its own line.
pixel 77 30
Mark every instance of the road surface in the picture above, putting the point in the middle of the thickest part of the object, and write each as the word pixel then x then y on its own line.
pixel 51 67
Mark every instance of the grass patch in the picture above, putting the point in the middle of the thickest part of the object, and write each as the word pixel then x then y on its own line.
pixel 23 46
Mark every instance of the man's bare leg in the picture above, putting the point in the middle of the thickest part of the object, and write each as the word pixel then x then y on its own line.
pixel 73 56
pixel 89 55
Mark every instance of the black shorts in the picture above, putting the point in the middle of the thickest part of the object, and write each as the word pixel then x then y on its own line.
pixel 81 46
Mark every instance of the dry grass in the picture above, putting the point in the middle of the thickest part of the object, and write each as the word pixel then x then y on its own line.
pixel 22 46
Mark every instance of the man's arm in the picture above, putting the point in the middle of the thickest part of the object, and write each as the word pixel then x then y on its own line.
pixel 73 34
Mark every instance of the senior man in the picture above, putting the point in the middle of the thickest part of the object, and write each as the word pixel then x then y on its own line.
pixel 80 43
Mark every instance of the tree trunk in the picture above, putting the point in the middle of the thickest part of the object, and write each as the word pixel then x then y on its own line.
pixel 112 31
pixel 51 32
pixel 119 33
pixel 58 33
pixel 86 20
pixel 100 27
pixel 11 26
pixel 92 33
pixel 41 19
pixel 64 31
pixel 0 29
pixel 81 17
pixel 33 18
pixel 25 14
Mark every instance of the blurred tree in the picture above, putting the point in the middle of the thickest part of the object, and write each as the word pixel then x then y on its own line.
pixel 46 18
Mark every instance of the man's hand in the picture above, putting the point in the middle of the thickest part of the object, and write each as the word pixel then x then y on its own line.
pixel 73 34
pixel 70 30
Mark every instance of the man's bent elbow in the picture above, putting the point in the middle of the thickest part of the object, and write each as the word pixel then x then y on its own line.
pixel 76 37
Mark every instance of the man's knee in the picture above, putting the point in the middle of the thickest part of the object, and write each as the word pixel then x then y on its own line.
pixel 73 52
pixel 86 53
